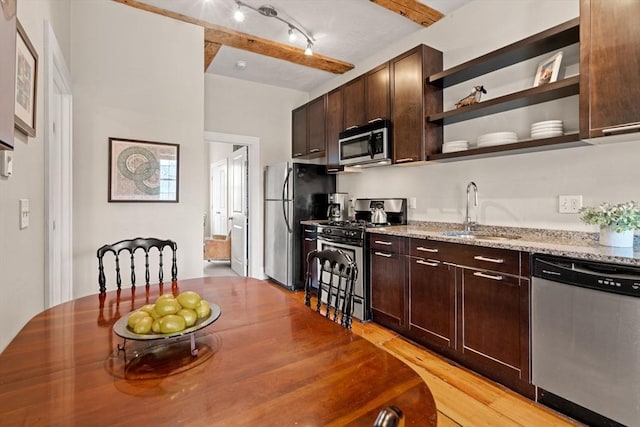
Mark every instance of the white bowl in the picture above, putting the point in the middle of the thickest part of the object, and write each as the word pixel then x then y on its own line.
pixel 542 127
pixel 497 136
pixel 547 122
pixel 546 134
pixel 453 149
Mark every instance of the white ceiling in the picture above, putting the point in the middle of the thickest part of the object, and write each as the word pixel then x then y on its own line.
pixel 348 30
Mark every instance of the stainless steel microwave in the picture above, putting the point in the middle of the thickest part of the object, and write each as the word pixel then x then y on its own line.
pixel 367 145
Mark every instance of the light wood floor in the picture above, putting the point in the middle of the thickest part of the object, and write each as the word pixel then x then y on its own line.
pixel 462 397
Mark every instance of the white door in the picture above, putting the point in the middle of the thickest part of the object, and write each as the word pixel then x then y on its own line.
pixel 219 214
pixel 58 163
pixel 239 211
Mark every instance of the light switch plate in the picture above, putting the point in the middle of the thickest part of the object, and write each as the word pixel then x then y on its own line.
pixel 24 213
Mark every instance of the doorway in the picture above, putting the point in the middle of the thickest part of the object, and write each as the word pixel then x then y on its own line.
pixel 249 255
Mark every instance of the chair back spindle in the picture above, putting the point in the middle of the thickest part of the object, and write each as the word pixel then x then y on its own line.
pixel 131 246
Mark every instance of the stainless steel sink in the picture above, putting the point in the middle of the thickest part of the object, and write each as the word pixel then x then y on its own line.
pixel 480 235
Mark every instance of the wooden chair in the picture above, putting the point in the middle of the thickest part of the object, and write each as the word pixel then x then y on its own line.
pixel 335 276
pixel 391 416
pixel 132 246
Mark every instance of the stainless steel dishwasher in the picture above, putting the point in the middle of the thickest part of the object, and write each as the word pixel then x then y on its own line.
pixel 586 339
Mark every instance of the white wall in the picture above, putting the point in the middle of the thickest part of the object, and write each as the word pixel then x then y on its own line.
pixel 135 75
pixel 22 251
pixel 517 190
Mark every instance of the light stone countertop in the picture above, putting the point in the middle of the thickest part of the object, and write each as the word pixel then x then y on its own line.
pixel 572 244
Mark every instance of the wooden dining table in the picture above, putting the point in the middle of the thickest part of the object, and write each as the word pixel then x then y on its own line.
pixel 268 360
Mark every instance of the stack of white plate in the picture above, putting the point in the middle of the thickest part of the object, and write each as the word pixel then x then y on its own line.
pixel 546 129
pixel 453 146
pixel 497 138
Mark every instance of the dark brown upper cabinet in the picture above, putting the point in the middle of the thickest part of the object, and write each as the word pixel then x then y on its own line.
pixel 411 101
pixel 377 93
pixel 353 96
pixel 609 68
pixel 308 129
pixel 334 125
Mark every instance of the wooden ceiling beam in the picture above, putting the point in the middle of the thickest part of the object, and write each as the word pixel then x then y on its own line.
pixel 412 9
pixel 216 34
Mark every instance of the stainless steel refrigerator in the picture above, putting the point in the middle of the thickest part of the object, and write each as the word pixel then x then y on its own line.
pixel 292 192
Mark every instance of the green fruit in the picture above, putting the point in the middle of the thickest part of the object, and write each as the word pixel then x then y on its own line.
pixel 167 306
pixel 143 326
pixel 148 308
pixel 189 299
pixel 155 326
pixel 172 323
pixel 203 309
pixel 135 317
pixel 189 315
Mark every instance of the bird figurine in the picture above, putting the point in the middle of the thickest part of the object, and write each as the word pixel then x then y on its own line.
pixel 472 98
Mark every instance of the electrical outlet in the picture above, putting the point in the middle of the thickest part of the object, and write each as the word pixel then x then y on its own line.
pixel 24 213
pixel 412 203
pixel 569 204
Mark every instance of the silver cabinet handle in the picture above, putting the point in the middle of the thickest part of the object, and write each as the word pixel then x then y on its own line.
pixel 494 260
pixel 430 263
pixel 333 170
pixel 487 276
pixel 297 155
pixel 351 127
pixel 622 129
pixel 377 119
pixel 407 159
pixel 382 242
pixel 423 249
pixel 309 240
pixel 309 230
pixel 315 150
pixel 383 254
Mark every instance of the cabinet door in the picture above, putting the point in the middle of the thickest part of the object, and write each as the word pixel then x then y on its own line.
pixel 432 300
pixel 299 131
pixel 334 125
pixel 609 66
pixel 388 284
pixel 377 93
pixel 411 101
pixel 316 126
pixel 353 96
pixel 309 243
pixel 494 315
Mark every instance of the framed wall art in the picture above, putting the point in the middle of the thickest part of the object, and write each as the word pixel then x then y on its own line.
pixel 26 83
pixel 548 70
pixel 143 171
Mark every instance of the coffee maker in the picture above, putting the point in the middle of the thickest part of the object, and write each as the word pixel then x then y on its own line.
pixel 338 207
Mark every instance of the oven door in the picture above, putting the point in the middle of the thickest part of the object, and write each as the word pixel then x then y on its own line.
pixel 357 254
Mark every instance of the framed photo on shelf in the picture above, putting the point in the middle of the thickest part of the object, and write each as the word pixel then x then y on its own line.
pixel 143 171
pixel 548 70
pixel 26 83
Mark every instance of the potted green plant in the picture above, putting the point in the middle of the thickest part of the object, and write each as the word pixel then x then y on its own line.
pixel 617 222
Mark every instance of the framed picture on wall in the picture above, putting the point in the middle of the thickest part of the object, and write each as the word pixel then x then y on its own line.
pixel 143 171
pixel 26 83
pixel 548 70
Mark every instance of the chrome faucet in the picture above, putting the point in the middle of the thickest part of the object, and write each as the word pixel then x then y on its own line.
pixel 468 224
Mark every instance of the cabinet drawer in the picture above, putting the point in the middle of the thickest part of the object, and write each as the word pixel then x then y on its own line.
pixel 432 249
pixel 502 260
pixel 387 243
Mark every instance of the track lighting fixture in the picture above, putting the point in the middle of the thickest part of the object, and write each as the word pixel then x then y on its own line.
pixel 271 12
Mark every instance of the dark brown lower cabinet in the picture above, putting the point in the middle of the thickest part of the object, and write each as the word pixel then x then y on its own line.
pixel 309 243
pixel 444 297
pixel 493 320
pixel 432 300
pixel 388 281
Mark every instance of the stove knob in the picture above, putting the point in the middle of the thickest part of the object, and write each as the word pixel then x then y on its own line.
pixel 328 231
